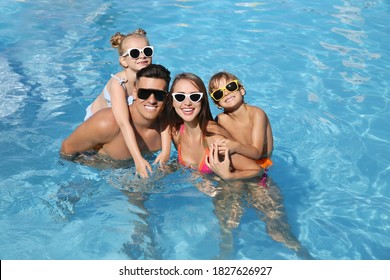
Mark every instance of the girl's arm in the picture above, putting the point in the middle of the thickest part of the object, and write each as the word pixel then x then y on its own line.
pixel 165 141
pixel 121 113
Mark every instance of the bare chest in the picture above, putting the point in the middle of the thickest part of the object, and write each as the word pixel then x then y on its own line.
pixel 191 151
pixel 148 140
pixel 241 131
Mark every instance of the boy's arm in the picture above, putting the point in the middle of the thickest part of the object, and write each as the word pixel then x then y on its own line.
pixel 259 134
pixel 238 148
pixel 243 167
pixel 234 147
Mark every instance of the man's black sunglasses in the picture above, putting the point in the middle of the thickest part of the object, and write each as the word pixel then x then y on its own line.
pixel 145 93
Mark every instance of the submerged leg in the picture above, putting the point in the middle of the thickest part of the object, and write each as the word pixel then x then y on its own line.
pixel 228 209
pixel 269 203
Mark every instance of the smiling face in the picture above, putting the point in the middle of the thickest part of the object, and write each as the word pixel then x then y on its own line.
pixel 148 108
pixel 142 61
pixel 230 99
pixel 188 110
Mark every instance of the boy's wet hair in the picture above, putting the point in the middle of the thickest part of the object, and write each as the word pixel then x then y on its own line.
pixel 213 83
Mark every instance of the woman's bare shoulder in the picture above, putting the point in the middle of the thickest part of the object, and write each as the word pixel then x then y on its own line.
pixel 217 130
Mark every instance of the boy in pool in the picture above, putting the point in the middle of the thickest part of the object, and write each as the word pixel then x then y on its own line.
pixel 248 125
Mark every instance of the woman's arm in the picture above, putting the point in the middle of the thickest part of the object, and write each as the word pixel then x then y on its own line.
pixel 121 112
pixel 233 166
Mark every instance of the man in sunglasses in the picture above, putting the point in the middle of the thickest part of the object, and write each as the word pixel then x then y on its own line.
pixel 101 132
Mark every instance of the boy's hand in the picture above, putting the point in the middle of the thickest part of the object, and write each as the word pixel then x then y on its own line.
pixel 227 144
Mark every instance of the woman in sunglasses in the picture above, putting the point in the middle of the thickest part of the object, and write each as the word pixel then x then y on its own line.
pixel 135 53
pixel 194 132
pixel 248 125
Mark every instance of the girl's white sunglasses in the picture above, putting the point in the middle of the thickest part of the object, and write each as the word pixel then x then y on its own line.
pixel 135 53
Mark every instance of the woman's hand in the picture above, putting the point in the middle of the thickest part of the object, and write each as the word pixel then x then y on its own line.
pixel 221 168
pixel 231 167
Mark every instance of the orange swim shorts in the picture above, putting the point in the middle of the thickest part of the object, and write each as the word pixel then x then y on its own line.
pixel 264 162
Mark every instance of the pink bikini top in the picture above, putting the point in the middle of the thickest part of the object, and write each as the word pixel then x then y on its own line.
pixel 202 166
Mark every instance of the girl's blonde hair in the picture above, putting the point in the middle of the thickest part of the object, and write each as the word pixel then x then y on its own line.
pixel 117 40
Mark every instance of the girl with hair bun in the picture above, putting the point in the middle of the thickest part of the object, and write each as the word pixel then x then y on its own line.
pixel 135 53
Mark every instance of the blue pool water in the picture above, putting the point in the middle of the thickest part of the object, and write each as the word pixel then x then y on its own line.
pixel 320 70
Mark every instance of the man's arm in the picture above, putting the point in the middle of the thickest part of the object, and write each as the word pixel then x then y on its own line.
pixel 98 129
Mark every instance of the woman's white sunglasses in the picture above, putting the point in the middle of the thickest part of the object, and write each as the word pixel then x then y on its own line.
pixel 194 97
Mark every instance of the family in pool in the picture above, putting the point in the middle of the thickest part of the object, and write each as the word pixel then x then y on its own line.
pixel 137 113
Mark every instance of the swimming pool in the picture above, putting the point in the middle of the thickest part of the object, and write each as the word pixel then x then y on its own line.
pixel 319 70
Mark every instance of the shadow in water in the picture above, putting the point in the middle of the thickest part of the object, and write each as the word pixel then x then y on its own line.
pixel 142 245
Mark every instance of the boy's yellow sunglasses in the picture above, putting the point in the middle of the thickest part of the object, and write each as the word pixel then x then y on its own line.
pixel 218 94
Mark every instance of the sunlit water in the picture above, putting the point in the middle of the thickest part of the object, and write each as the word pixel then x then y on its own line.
pixel 320 71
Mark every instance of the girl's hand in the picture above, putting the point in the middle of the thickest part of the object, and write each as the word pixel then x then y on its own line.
pixel 162 158
pixel 142 168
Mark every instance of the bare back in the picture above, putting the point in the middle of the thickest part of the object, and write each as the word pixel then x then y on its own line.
pixel 110 90
pixel 101 132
